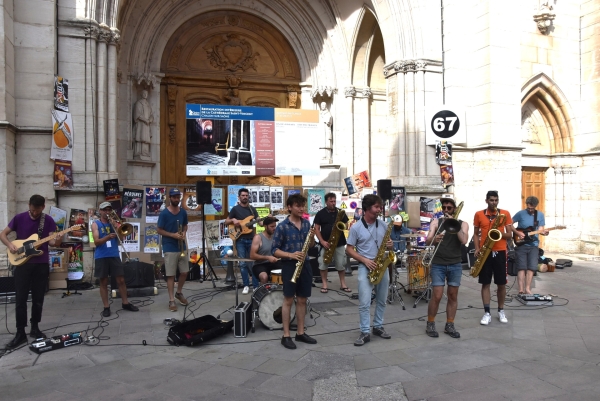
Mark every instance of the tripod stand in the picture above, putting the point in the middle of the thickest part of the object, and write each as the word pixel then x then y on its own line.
pixel 205 261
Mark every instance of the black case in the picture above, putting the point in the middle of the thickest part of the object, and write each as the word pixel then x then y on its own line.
pixel 511 267
pixel 187 333
pixel 562 263
pixel 242 319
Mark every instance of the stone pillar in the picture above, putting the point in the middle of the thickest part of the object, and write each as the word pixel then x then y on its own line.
pixel 361 103
pixel 102 116
pixel 91 105
pixel 323 96
pixel 112 102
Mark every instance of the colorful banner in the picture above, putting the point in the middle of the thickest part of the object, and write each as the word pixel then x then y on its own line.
pixel 151 239
pixel 447 173
pixel 61 94
pixel 63 174
pixel 62 136
pixel 241 140
pixel 215 207
pixel 132 203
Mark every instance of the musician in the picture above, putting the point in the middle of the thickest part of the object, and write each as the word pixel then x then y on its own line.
pixel 288 242
pixel 527 254
pixel 106 256
pixel 398 231
pixel 261 251
pixel 33 274
pixel 243 244
pixel 495 264
pixel 365 238
pixel 170 221
pixel 445 266
pixel 324 221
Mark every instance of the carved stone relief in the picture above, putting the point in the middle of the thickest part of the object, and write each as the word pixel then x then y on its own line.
pixel 232 53
pixel 172 95
pixel 175 56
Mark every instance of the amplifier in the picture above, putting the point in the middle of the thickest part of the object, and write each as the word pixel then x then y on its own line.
pixel 136 274
pixel 242 319
pixel 50 344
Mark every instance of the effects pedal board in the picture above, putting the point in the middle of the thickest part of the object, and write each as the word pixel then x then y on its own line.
pixel 535 299
pixel 49 344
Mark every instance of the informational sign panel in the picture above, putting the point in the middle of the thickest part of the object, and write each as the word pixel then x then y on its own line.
pixel 239 140
pixel 445 123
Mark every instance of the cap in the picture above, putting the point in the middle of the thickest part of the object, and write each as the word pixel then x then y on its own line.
pixel 397 220
pixel 448 199
pixel 174 191
pixel 104 205
pixel 269 220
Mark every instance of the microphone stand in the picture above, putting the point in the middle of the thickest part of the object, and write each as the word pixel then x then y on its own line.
pixel 205 261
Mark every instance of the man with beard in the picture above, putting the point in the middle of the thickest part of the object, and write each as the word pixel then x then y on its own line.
pixel 261 251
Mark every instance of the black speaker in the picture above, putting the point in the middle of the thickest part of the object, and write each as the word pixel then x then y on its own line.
pixel 384 189
pixel 136 275
pixel 203 192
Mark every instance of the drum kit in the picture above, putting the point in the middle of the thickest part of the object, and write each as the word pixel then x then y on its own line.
pixel 418 277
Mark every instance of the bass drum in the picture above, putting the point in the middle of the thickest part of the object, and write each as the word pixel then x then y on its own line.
pixel 268 299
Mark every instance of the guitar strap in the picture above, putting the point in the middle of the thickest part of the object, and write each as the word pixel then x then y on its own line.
pixel 41 227
pixel 535 220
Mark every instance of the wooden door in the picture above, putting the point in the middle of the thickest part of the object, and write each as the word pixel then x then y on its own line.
pixel 533 184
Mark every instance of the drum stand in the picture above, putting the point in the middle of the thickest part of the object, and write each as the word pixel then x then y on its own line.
pixel 394 289
pixel 228 310
pixel 425 294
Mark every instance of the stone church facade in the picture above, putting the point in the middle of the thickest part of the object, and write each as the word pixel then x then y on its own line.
pixel 525 72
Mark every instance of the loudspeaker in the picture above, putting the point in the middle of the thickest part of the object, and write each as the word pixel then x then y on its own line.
pixel 384 189
pixel 136 274
pixel 203 192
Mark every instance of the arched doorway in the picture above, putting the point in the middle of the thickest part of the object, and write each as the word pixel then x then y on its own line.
pixel 222 57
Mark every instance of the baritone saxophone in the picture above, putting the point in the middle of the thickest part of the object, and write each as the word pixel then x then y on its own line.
pixel 334 238
pixel 376 275
pixel 493 236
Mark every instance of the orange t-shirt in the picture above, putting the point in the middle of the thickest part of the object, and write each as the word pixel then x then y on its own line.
pixel 484 220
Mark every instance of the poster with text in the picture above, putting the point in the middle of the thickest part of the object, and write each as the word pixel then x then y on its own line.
pixel 259 196
pixel 62 136
pixel 397 201
pixel 131 242
pixel 215 207
pixel 350 187
pixel 276 198
pixel 225 242
pixel 189 201
pixel 59 216
pixel 78 217
pixel 242 140
pixel 151 239
pixel 194 235
pixel 74 253
pixel 63 174
pixel 262 213
pixel 212 233
pixel 361 180
pixel 316 201
pixel 111 189
pixel 232 196
pixel 132 203
pixel 155 203
pixel 443 152
pixel 57 259
pixel 61 93
pixel 447 173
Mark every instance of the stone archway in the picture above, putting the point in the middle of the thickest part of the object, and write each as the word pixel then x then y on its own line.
pixel 221 57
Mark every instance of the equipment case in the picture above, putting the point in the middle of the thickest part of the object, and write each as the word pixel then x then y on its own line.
pixel 242 319
pixel 197 331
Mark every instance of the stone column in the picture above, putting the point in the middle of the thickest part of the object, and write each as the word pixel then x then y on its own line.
pixel 102 116
pixel 91 104
pixel 112 101
pixel 361 102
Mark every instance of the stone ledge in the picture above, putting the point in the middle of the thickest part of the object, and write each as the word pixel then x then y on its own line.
pixel 142 163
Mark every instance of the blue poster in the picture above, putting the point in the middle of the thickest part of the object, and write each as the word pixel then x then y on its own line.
pixel 232 196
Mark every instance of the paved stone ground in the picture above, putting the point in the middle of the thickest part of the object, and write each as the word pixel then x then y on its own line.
pixel 543 353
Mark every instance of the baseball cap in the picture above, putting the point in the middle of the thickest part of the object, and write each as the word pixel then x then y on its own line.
pixel 174 191
pixel 397 220
pixel 104 205
pixel 448 199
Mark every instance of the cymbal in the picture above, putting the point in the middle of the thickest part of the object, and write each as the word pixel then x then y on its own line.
pixel 231 259
pixel 412 235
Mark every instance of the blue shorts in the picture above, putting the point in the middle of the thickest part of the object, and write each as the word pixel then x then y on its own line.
pixel 439 274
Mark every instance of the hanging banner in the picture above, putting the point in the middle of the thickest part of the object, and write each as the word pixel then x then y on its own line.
pixel 132 203
pixel 62 136
pixel 61 94
pixel 63 174
pixel 241 140
pixel 151 239
pixel 215 207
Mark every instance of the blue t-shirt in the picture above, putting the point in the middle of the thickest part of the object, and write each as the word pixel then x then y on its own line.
pixel 367 240
pixel 170 222
pixel 110 249
pixel 525 220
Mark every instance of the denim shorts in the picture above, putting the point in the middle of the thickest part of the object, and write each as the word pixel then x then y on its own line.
pixel 439 274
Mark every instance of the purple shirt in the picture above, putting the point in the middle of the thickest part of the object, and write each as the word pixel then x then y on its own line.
pixel 25 227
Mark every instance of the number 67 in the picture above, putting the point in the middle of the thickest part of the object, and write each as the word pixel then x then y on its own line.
pixel 438 123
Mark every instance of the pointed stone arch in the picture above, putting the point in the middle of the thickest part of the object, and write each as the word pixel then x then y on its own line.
pixel 368 58
pixel 545 107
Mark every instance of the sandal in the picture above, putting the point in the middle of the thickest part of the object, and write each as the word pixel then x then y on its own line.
pixel 345 289
pixel 324 290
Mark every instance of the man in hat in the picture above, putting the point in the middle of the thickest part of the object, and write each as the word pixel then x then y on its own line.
pixel 397 232
pixel 106 256
pixel 445 267
pixel 172 225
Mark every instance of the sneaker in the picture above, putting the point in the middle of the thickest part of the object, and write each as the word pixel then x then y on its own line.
pixel 380 331
pixel 362 339
pixel 502 316
pixel 246 290
pixel 179 296
pixel 431 331
pixel 172 306
pixel 486 319
pixel 106 312
pixel 130 307
pixel 451 331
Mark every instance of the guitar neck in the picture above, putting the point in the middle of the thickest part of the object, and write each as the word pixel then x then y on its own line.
pixel 545 229
pixel 49 238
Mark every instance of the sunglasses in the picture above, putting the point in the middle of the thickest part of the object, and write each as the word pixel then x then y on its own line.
pixel 447 207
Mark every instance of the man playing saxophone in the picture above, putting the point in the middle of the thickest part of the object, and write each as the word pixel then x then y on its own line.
pixel 495 264
pixel 172 226
pixel 445 266
pixel 325 221
pixel 364 242
pixel 291 236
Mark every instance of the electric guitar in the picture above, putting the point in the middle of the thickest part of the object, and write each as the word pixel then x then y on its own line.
pixel 27 248
pixel 246 227
pixel 528 231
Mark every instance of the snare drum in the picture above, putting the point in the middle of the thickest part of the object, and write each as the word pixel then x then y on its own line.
pixel 276 276
pixel 268 299
pixel 418 275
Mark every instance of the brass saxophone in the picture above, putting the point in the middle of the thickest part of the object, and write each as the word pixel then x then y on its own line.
pixel 334 238
pixel 376 275
pixel 300 263
pixel 493 236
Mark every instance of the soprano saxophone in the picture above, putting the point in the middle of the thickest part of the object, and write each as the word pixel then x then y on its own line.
pixel 334 238
pixel 493 236
pixel 382 261
pixel 300 263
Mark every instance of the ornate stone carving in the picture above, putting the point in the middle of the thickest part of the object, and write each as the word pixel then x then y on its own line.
pixel 410 65
pixel 233 97
pixel 172 96
pixel 367 92
pixel 174 59
pixel 529 131
pixel 544 18
pixel 115 38
pixel 274 180
pixel 232 53
pixel 322 92
pixel 287 67
pixel 91 32
pixel 147 80
pixel 142 118
pixel 327 120
pixel 350 91
pixel 213 22
pixel 233 20
pixel 104 33
pixel 233 81
pixel 292 96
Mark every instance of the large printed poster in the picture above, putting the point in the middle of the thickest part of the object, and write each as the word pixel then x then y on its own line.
pixel 239 140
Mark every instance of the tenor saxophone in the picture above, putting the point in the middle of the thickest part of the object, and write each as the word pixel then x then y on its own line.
pixel 334 238
pixel 493 236
pixel 376 275
pixel 300 263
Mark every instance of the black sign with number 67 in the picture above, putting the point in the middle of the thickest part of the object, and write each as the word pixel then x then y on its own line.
pixel 445 124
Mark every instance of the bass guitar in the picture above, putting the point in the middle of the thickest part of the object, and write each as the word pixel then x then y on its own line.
pixel 529 232
pixel 246 227
pixel 27 248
